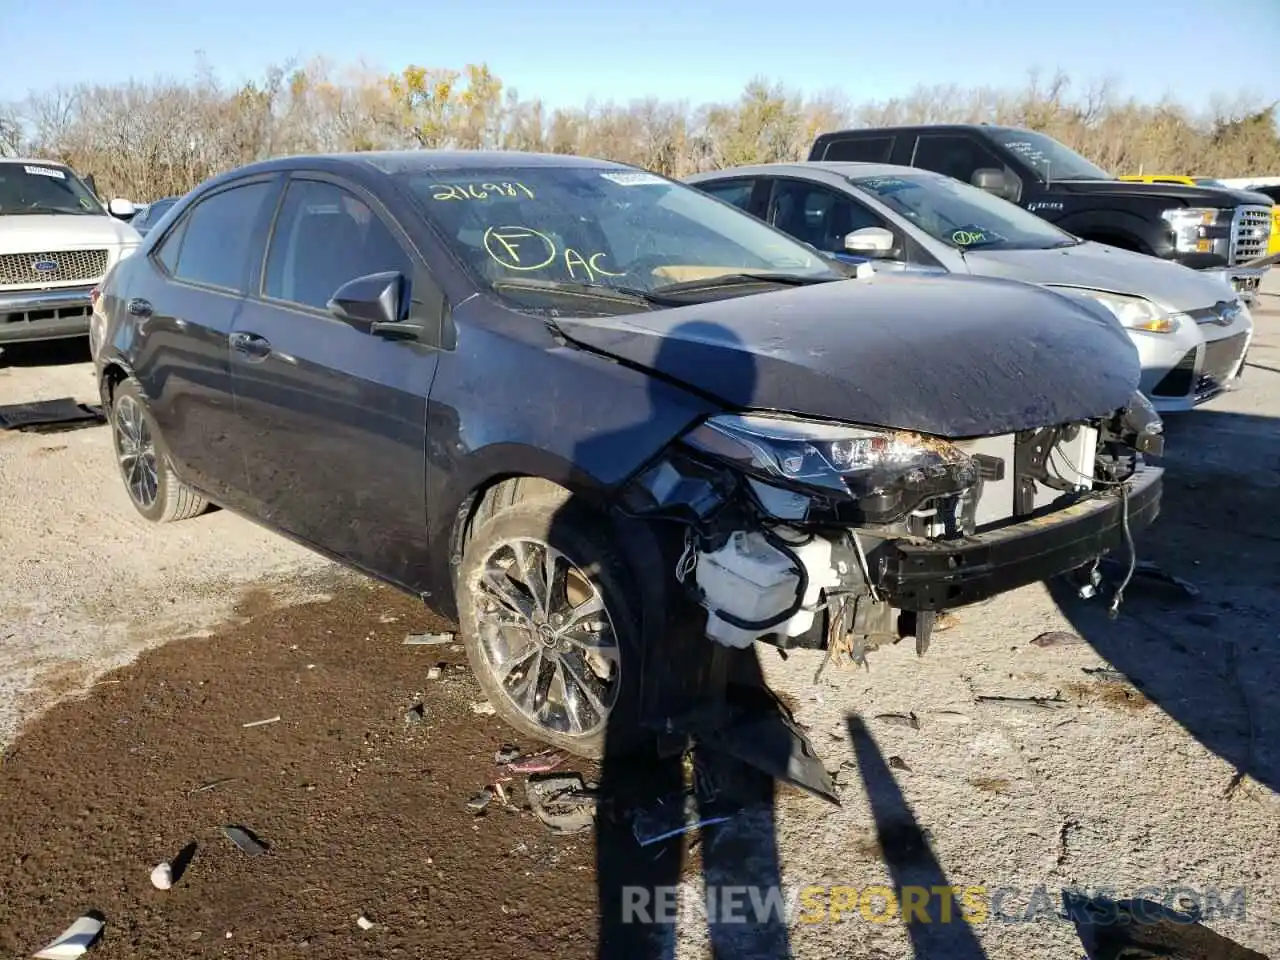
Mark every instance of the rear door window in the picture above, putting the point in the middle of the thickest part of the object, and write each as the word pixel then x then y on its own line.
pixel 736 192
pixel 213 241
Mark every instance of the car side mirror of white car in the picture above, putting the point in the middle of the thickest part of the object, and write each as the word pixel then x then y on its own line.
pixel 124 209
pixel 870 242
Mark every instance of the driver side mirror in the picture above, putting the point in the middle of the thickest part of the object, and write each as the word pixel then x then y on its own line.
pixel 121 209
pixel 377 303
pixel 871 242
pixel 995 182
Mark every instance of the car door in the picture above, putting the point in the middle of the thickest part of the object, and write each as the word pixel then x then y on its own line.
pixel 335 416
pixel 183 306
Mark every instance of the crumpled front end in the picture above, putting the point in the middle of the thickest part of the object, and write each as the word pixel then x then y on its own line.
pixel 826 535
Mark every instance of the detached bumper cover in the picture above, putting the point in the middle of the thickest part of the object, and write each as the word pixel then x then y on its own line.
pixel 938 576
pixel 44 314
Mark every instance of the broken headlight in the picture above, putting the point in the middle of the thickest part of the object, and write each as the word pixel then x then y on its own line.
pixel 889 472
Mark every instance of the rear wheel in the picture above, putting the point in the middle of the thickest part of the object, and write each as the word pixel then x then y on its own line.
pixel 154 489
pixel 552 619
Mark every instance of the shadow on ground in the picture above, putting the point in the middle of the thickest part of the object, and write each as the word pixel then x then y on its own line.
pixel 45 353
pixel 1211 662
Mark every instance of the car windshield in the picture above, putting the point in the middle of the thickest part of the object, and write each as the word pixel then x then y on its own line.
pixel 604 227
pixel 1209 182
pixel 1051 159
pixel 36 188
pixel 963 216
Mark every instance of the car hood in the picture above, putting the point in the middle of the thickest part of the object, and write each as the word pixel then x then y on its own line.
pixel 41 233
pixel 1099 267
pixel 949 356
pixel 1196 196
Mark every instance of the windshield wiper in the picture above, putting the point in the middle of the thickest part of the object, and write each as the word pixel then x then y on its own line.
pixel 736 279
pixel 593 291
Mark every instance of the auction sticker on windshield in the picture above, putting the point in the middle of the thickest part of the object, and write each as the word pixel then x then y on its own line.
pixel 46 172
pixel 637 179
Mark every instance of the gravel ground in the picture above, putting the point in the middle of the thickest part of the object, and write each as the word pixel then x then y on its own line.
pixel 1153 766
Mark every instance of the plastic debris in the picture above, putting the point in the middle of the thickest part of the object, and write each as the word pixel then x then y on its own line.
pixel 506 754
pixel 244 838
pixel 162 876
pixel 673 817
pixel 433 673
pixel 416 714
pixel 428 639
pixel 481 800
pixel 900 719
pixel 1106 673
pixel 74 940
pixel 364 923
pixel 543 762
pixel 1048 703
pixel 897 763
pixel 261 723
pixel 1058 638
pixel 563 802
pixel 484 708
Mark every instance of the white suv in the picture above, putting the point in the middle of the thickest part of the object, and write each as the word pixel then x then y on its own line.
pixel 57 243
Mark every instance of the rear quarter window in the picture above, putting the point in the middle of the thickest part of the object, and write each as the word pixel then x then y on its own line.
pixel 860 150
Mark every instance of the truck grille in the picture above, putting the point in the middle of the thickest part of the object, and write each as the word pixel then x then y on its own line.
pixel 1250 233
pixel 56 267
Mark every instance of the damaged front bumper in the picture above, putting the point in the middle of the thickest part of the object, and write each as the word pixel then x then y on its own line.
pixel 923 575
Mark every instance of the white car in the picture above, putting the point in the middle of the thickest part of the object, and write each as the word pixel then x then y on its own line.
pixel 57 244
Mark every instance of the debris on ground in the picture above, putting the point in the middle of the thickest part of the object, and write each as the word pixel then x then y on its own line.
pixel 900 719
pixel 1048 703
pixel 75 940
pixel 480 800
pixel 563 802
pixel 416 714
pixel 484 708
pixel 1058 638
pixel 364 923
pixel 1109 674
pixel 951 716
pixel 47 415
pixel 543 762
pixel 674 816
pixel 428 639
pixel 162 876
pixel 433 673
pixel 506 753
pixel 211 784
pixel 897 763
pixel 261 723
pixel 245 839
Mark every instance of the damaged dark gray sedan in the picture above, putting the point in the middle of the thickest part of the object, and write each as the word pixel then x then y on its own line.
pixel 610 423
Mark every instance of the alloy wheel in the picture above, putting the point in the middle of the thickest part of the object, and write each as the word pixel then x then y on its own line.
pixel 547 637
pixel 136 452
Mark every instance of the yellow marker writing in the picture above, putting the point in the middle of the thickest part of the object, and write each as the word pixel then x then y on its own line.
pixel 504 245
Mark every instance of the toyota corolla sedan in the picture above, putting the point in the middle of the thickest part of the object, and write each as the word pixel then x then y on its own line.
pixel 1191 329
pixel 614 426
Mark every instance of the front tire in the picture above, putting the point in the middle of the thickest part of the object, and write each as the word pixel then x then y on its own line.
pixel 153 488
pixel 551 619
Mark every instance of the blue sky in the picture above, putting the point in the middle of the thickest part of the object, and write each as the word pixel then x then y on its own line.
pixel 569 50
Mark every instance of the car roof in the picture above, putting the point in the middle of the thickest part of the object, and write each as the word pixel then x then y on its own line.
pixel 936 127
pixel 35 162
pixel 840 169
pixel 424 161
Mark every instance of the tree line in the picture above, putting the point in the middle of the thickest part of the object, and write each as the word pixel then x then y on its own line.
pixel 144 139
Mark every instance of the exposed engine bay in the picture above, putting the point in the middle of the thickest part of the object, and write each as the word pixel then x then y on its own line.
pixel 830 536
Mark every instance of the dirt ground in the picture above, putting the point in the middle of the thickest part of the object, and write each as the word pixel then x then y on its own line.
pixel 131 657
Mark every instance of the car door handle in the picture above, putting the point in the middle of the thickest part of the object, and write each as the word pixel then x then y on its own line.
pixel 250 344
pixel 139 307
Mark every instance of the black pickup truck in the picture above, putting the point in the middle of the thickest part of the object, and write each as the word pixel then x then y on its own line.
pixel 1205 228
